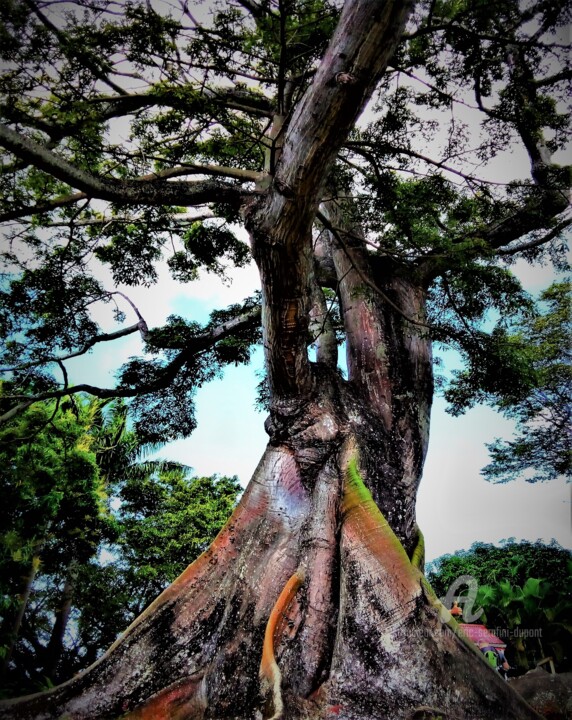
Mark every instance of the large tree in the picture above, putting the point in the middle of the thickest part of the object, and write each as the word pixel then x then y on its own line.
pixel 140 131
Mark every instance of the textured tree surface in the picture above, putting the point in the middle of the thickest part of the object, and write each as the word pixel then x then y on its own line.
pixel 549 694
pixel 311 602
pixel 357 634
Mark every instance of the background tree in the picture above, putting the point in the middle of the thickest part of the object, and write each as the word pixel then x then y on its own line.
pixel 150 135
pixel 54 518
pixel 541 449
pixel 540 404
pixel 163 521
pixel 84 511
pixel 510 561
pixel 524 589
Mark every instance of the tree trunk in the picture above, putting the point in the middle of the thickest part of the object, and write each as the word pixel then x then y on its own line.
pixel 14 633
pixel 55 645
pixel 306 601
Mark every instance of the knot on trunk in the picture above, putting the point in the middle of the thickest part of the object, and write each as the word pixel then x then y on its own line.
pixel 345 78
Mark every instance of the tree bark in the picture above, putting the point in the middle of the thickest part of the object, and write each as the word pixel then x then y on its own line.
pixel 17 623
pixel 359 637
pixel 389 363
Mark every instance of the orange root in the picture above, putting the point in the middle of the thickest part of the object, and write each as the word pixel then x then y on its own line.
pixel 270 676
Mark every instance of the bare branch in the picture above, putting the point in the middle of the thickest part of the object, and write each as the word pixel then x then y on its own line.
pixel 538 241
pixel 16 410
pixel 178 221
pixel 141 325
pixel 533 215
pixel 164 378
pixel 200 169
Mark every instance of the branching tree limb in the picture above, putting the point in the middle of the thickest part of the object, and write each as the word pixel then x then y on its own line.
pixel 148 190
pixel 164 377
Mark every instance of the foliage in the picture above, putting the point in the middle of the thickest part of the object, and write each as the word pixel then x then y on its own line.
pixel 536 396
pixel 511 561
pixel 537 616
pixel 526 594
pixel 84 511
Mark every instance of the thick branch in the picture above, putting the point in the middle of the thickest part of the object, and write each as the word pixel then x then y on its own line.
pixel 200 169
pixel 179 220
pixel 149 190
pixel 362 275
pixel 538 242
pixel 256 10
pixel 27 210
pixel 534 215
pixel 280 227
pixel 251 103
pixel 122 105
pixel 321 328
pixel 553 79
